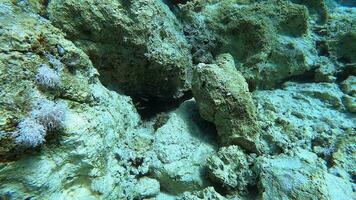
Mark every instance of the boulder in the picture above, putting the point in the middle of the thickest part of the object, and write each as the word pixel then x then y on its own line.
pixel 223 98
pixel 137 46
pixel 269 40
pixel 231 168
pixel 182 145
pixel 300 177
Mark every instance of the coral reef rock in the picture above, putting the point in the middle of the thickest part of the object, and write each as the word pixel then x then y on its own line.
pixel 231 168
pixel 300 177
pixel 269 40
pixel 223 98
pixel 182 145
pixel 177 99
pixel 137 46
pixel 79 161
pixel 302 115
pixel 207 193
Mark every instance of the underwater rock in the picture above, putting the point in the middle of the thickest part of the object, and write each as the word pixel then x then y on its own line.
pixel 64 136
pixel 348 86
pixel 182 145
pixel 137 46
pixel 304 115
pixel 316 7
pixel 207 193
pixel 345 47
pixel 335 42
pixel 35 6
pixel 299 177
pixel 326 71
pixel 26 43
pixel 344 157
pixel 350 103
pixel 147 187
pixel 79 161
pixel 269 40
pixel 223 98
pixel 230 168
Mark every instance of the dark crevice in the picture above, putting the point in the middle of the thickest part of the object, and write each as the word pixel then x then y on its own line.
pixel 45 3
pixel 252 192
pixel 149 106
pixel 322 48
pixel 219 188
pixel 172 3
pixel 306 77
pixel 346 72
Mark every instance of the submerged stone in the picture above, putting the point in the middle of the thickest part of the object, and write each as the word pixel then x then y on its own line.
pixel 137 46
pixel 182 145
pixel 223 98
pixel 269 40
pixel 285 177
pixel 231 168
pixel 207 193
pixel 63 135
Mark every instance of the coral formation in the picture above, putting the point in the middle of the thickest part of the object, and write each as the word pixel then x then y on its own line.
pixel 268 40
pixel 207 193
pixel 231 168
pixel 45 116
pixel 137 46
pixel 30 133
pixel 47 77
pixel 182 145
pixel 223 98
pixel 293 177
pixel 168 99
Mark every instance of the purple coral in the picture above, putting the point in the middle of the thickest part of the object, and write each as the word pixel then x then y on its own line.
pixel 47 77
pixel 45 116
pixel 30 133
pixel 50 114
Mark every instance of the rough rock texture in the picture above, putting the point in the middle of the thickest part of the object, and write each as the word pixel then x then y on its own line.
pixel 348 86
pixel 223 98
pixel 182 145
pixel 79 162
pixel 27 42
pixel 300 177
pixel 147 187
pixel 332 40
pixel 269 40
pixel 137 46
pixel 207 193
pixel 307 115
pixel 64 136
pixel 343 159
pixel 230 167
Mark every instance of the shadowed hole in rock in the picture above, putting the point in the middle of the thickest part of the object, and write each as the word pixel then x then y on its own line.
pixel 171 3
pixel 252 192
pixel 345 72
pixel 149 106
pixel 306 77
pixel 322 47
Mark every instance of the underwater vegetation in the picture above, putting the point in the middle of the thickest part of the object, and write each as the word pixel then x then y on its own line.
pixel 178 99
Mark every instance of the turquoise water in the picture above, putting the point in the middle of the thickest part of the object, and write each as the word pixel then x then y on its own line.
pixel 168 99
